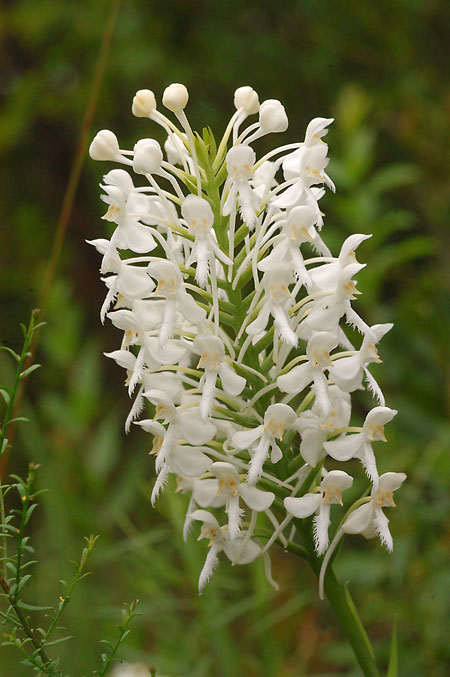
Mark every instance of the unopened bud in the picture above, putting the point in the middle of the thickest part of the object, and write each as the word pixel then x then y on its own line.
pixel 175 149
pixel 272 116
pixel 144 103
pixel 175 97
pixel 104 146
pixel 247 99
pixel 147 156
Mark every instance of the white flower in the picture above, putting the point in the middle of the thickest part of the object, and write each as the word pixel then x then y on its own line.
pixel 230 486
pixel 369 519
pixel 331 487
pixel 318 353
pixel 170 285
pixel 309 161
pixel 212 355
pixel 240 160
pixel 314 426
pixel 186 420
pixel 177 458
pixel 199 217
pixel 360 445
pixel 348 372
pixel 299 228
pixel 277 418
pixel 277 298
pixel 239 551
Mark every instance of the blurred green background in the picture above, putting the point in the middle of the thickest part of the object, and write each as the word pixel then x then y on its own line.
pixel 381 70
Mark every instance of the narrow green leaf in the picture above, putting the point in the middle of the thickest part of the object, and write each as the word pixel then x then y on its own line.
pixel 18 419
pixel 393 657
pixel 355 615
pixel 28 371
pixel 24 580
pixel 4 445
pixel 30 511
pixel 4 393
pixel 33 607
pixel 60 640
pixel 11 352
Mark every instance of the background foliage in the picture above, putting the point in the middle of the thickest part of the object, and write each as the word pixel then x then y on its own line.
pixel 379 69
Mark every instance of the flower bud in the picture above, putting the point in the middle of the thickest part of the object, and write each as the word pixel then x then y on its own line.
pixel 144 103
pixel 272 116
pixel 247 99
pixel 147 156
pixel 104 146
pixel 175 97
pixel 175 149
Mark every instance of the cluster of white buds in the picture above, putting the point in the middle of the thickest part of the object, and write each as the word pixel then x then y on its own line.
pixel 235 319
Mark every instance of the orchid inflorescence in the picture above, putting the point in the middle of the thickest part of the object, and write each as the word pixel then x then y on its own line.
pixel 236 319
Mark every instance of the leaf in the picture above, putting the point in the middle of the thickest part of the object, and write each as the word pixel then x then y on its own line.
pixel 30 370
pixel 4 445
pixel 30 512
pixel 11 352
pixel 33 607
pixel 18 419
pixel 24 580
pixel 393 656
pixel 351 606
pixel 60 640
pixel 4 393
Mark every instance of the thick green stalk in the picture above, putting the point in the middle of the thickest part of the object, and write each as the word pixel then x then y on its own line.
pixel 344 611
pixel 354 630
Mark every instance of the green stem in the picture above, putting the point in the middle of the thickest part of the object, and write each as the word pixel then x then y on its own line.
pixel 26 628
pixel 77 578
pixel 354 630
pixel 9 418
pixel 344 611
